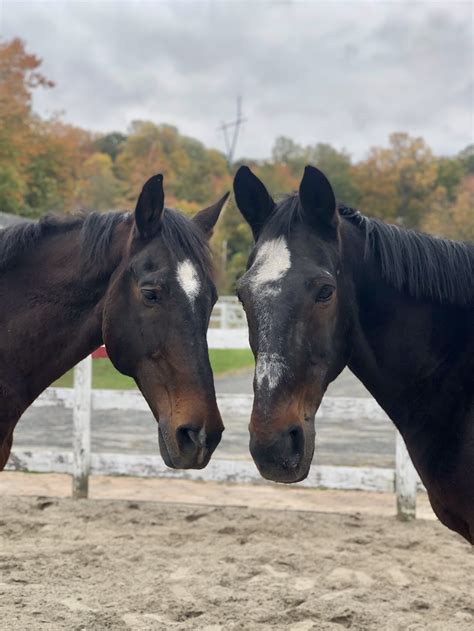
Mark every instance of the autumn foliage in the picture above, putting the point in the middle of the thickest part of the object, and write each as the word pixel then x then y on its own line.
pixel 47 165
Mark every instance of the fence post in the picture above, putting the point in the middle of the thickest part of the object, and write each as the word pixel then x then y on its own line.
pixel 406 479
pixel 82 428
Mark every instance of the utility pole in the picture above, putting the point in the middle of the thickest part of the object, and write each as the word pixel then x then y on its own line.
pixel 231 138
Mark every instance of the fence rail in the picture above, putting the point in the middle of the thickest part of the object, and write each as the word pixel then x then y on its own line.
pixel 228 314
pixel 402 480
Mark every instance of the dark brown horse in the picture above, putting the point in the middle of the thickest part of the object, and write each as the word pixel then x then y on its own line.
pixel 327 287
pixel 139 282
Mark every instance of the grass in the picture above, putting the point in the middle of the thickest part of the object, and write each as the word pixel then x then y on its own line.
pixel 107 378
pixel 225 361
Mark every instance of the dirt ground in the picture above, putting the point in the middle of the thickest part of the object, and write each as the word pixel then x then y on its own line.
pixel 265 495
pixel 131 565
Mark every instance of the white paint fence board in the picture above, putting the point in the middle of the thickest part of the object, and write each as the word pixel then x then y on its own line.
pixel 350 478
pixel 52 397
pixel 228 338
pixel 228 313
pixel 40 461
pixel 81 438
pixel 406 481
pixel 237 471
pixel 230 404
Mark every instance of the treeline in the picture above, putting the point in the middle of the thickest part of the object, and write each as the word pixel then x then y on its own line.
pixel 49 166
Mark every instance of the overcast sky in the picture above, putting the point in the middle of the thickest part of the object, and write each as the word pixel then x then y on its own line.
pixel 347 73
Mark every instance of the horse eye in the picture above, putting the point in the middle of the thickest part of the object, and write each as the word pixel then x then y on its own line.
pixel 324 293
pixel 151 295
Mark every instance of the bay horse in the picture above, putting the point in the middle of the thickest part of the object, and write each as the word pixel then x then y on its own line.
pixel 139 282
pixel 327 287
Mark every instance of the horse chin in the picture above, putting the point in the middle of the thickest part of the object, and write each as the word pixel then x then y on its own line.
pixel 165 454
pixel 286 470
pixel 283 475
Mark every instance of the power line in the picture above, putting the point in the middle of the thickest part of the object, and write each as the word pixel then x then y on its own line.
pixel 230 140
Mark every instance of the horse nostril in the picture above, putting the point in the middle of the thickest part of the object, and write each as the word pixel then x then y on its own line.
pixel 296 439
pixel 187 437
pixel 296 435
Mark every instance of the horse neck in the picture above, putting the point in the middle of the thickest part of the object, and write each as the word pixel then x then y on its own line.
pixel 404 349
pixel 53 310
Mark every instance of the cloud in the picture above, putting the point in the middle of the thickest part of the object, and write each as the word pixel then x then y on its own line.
pixel 343 73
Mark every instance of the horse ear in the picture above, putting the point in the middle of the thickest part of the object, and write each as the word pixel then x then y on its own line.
pixel 253 199
pixel 319 202
pixel 206 219
pixel 149 209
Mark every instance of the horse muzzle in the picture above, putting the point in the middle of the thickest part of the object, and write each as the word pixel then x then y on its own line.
pixel 187 446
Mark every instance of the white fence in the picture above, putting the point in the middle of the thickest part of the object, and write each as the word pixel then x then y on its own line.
pixel 228 314
pixel 402 480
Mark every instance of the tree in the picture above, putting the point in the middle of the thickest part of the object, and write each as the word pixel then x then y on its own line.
pixel 288 152
pixel 194 174
pixel 52 177
pixel 234 239
pixel 19 76
pixel 396 183
pixel 98 188
pixel 111 144
pixel 466 156
pixel 456 220
pixel 149 149
pixel 335 164
pixel 449 175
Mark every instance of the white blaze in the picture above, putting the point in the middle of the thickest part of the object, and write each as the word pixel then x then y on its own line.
pixel 269 370
pixel 188 278
pixel 272 262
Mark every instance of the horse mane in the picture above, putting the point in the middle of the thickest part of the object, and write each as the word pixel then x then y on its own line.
pixel 425 266
pixel 96 230
pixel 182 237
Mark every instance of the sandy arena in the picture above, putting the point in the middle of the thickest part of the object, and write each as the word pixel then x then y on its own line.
pixel 129 565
